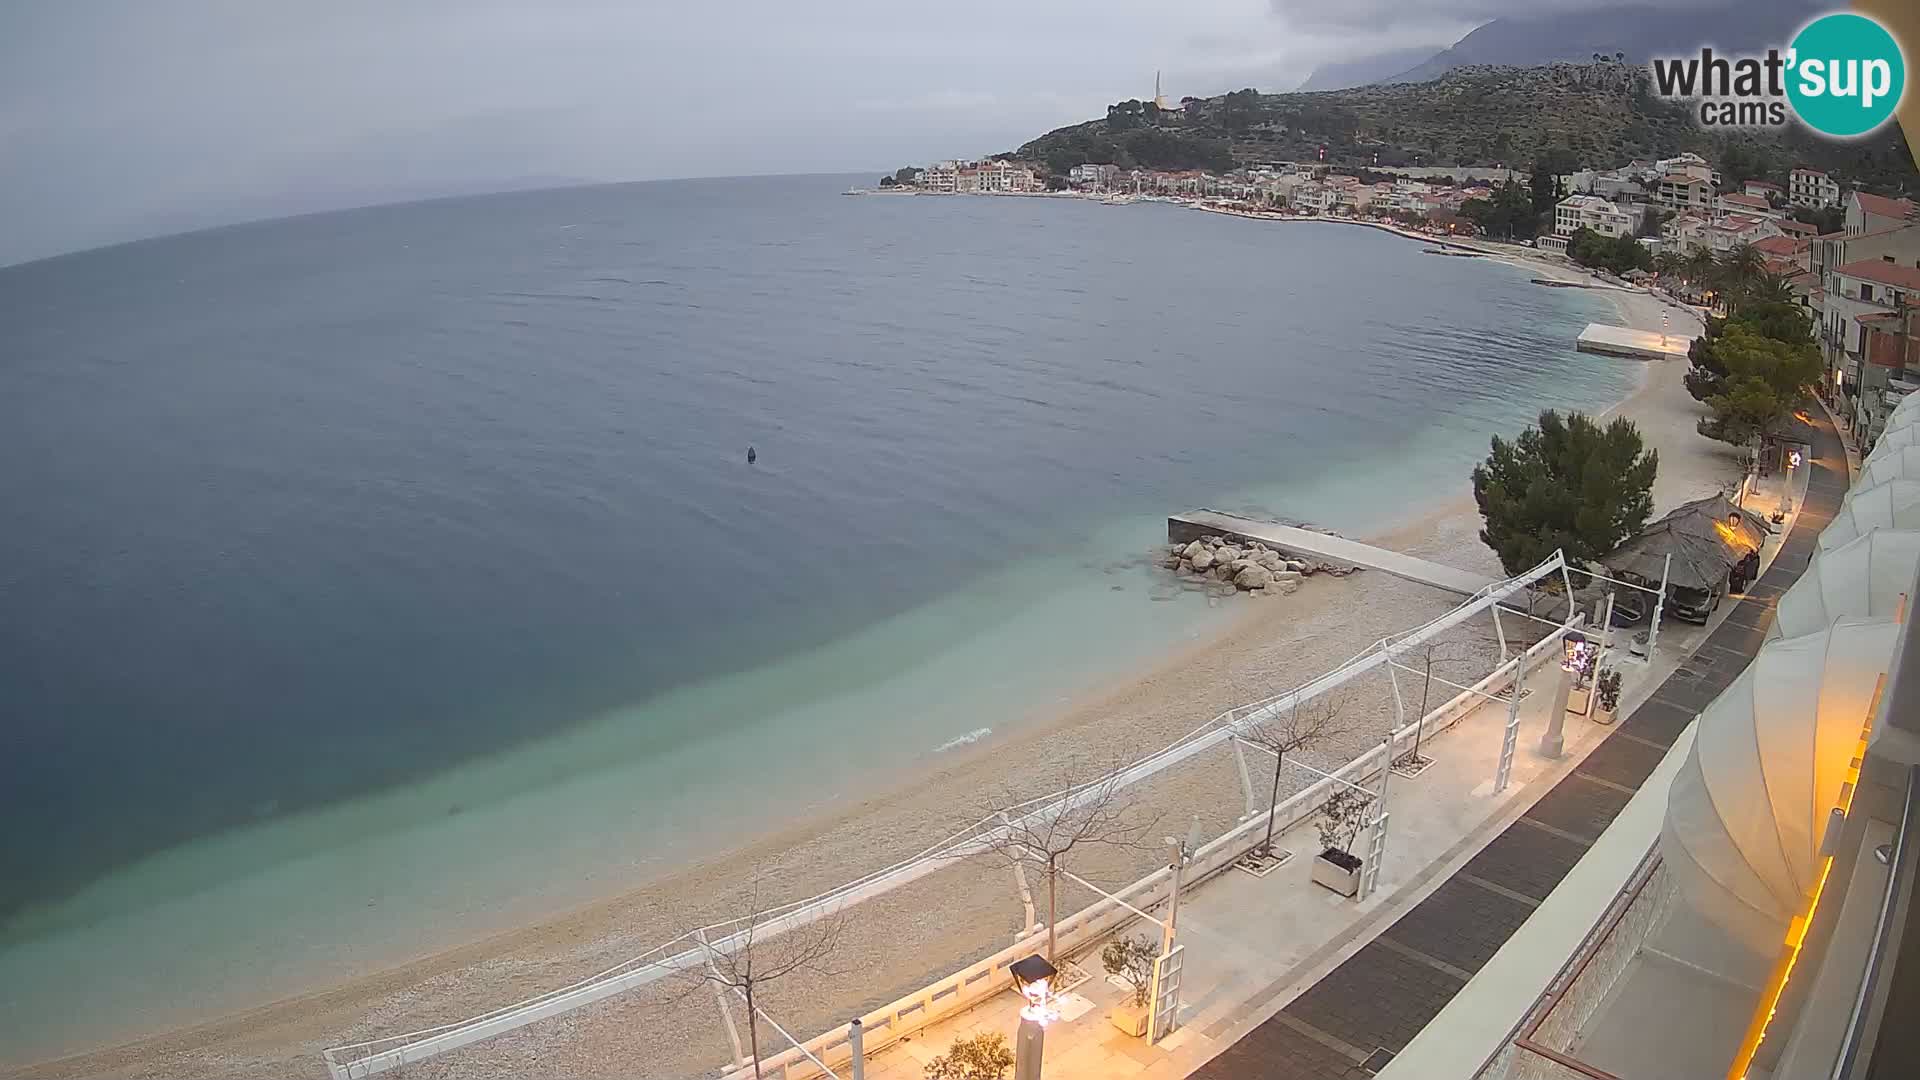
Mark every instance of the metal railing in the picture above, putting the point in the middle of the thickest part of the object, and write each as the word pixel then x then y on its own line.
pixel 1870 999
pixel 691 950
pixel 1541 1045
pixel 967 987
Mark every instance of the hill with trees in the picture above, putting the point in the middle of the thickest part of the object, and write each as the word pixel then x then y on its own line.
pixel 1597 114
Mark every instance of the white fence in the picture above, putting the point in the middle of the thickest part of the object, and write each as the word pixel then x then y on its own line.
pixel 965 988
pixel 950 995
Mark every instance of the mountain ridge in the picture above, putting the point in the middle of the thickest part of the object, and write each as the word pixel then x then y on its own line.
pixel 1598 114
pixel 1636 33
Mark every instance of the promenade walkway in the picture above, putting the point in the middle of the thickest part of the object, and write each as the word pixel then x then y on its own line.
pixel 1350 1023
pixel 1325 547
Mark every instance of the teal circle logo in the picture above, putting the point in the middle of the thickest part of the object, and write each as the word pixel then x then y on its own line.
pixel 1845 75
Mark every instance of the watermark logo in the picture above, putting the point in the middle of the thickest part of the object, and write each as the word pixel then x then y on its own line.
pixel 1843 76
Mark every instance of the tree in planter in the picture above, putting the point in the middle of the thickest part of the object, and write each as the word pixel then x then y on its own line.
pixel 1568 485
pixel 1431 654
pixel 1089 813
pixel 983 1057
pixel 759 960
pixel 1341 818
pixel 1132 960
pixel 1282 733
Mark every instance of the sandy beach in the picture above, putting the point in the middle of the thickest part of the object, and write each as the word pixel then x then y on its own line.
pixel 948 918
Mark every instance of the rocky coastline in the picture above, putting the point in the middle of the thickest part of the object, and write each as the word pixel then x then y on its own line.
pixel 1225 566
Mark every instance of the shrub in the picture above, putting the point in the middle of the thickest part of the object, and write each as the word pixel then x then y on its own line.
pixel 1609 687
pixel 1341 818
pixel 1132 959
pixel 983 1057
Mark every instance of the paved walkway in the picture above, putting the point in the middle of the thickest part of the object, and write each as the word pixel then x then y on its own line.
pixel 1351 1023
pixel 1326 547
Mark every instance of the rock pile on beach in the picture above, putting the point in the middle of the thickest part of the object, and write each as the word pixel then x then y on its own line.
pixel 1250 567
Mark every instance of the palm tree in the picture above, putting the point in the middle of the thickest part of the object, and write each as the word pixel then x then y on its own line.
pixel 1738 272
pixel 1770 288
pixel 1697 267
pixel 1669 262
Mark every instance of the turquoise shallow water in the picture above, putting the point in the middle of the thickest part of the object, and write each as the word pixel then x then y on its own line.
pixel 386 577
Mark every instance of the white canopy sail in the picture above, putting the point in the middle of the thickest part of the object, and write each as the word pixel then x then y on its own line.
pixel 1900 463
pixel 1869 575
pixel 1894 504
pixel 1750 806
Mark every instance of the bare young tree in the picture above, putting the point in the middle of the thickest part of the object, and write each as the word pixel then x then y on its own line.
pixel 754 956
pixel 1095 810
pixel 1285 731
pixel 1429 656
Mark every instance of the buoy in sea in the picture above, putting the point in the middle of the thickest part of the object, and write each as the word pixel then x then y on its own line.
pixel 752 456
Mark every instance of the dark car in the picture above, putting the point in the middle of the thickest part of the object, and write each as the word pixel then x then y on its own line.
pixel 1630 607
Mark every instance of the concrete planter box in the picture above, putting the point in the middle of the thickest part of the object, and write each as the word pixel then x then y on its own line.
pixel 1577 699
pixel 1130 1018
pixel 1342 876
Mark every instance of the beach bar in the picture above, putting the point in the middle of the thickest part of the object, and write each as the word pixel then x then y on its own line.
pixel 1632 344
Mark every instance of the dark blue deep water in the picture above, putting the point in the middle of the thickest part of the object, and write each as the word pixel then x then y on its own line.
pixel 294 511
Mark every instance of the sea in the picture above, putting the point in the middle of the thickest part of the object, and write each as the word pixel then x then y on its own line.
pixel 371 581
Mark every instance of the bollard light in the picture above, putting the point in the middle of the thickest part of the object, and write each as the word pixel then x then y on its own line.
pixel 1032 975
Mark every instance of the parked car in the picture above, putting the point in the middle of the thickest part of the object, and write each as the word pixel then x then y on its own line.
pixel 1630 607
pixel 1691 605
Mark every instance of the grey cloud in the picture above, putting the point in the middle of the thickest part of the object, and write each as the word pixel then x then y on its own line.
pixel 122 118
pixel 1377 14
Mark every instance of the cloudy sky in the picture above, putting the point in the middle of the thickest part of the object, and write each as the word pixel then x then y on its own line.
pixel 123 119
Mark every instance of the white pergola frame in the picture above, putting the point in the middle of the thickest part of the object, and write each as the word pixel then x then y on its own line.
pixel 371 1057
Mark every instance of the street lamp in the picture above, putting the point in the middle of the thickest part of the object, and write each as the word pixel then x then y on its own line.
pixel 1032 975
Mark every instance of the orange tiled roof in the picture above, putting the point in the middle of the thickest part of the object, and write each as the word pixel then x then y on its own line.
pixel 1881 206
pixel 1885 273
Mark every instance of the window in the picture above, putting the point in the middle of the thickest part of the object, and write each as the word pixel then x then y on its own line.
pixel 1866 291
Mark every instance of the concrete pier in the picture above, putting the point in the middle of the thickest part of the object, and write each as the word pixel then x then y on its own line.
pixel 1321 547
pixel 1632 344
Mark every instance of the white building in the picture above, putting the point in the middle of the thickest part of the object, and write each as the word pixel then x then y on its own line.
pixel 1747 204
pixel 1863 275
pixel 1735 230
pixel 1098 177
pixel 1316 198
pixel 1872 213
pixel 1685 189
pixel 1811 187
pixel 941 176
pixel 1006 177
pixel 1576 212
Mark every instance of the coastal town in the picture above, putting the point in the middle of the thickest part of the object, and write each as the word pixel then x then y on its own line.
pixel 1850 259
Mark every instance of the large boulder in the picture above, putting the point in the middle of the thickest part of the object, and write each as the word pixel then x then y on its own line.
pixel 1253 576
pixel 1202 560
pixel 1192 549
pixel 1297 566
pixel 1270 560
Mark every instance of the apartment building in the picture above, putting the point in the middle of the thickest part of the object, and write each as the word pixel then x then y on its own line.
pixel 1576 212
pixel 1813 188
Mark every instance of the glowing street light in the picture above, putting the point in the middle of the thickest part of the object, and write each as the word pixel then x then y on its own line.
pixel 1032 975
